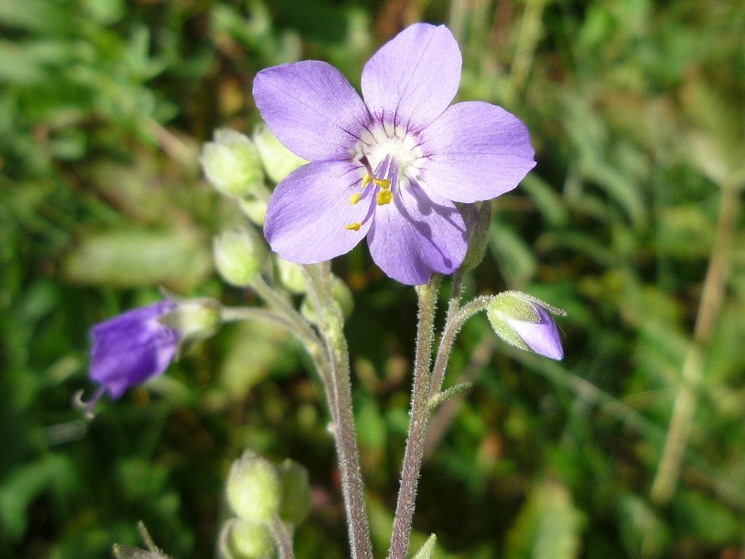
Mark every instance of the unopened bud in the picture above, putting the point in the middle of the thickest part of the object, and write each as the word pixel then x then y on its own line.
pixel 242 539
pixel 253 489
pixel 291 276
pixel 239 256
pixel 193 319
pixel 277 159
pixel 525 322
pixel 295 505
pixel 232 164
pixel 254 209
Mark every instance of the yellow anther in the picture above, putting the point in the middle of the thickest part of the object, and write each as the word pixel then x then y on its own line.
pixel 385 184
pixel 353 226
pixel 354 198
pixel 384 197
pixel 367 179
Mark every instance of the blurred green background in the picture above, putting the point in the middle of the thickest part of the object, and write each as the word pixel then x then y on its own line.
pixel 630 222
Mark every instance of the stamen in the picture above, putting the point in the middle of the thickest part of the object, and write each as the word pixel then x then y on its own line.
pixel 367 179
pixel 354 198
pixel 384 197
pixel 382 183
pixel 353 226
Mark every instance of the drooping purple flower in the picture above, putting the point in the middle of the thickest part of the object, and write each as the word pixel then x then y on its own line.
pixel 525 322
pixel 140 344
pixel 131 348
pixel 392 167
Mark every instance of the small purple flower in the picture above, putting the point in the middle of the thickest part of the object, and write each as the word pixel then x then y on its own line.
pixel 525 322
pixel 392 167
pixel 131 348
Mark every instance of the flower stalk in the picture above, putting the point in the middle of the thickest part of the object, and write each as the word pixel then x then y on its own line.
pixel 282 538
pixel 418 420
pixel 339 394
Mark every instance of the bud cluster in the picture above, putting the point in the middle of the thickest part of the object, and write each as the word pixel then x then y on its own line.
pixel 262 496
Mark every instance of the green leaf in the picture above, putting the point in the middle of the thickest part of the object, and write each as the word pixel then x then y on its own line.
pixel 448 393
pixel 547 527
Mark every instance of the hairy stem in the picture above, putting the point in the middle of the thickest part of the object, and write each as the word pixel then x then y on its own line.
pixel 331 322
pixel 457 316
pixel 282 538
pixel 284 314
pixel 715 283
pixel 418 421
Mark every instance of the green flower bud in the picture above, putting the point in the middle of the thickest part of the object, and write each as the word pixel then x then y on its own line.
pixel 239 256
pixel 193 319
pixel 241 539
pixel 254 490
pixel 231 164
pixel 277 159
pixel 295 504
pixel 525 322
pixel 291 276
pixel 254 209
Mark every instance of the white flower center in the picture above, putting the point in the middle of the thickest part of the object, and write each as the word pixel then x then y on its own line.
pixel 390 159
pixel 384 140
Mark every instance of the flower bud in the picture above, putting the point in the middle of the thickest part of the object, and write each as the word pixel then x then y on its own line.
pixel 277 159
pixel 193 319
pixel 525 322
pixel 253 489
pixel 231 164
pixel 239 256
pixel 255 210
pixel 295 504
pixel 291 276
pixel 241 539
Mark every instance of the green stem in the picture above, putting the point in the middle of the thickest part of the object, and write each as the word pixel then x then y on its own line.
pixel 240 314
pixel 283 306
pixel 282 538
pixel 283 314
pixel 331 327
pixel 457 316
pixel 418 422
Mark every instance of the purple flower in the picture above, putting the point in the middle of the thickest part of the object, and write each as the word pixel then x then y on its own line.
pixel 392 167
pixel 131 348
pixel 525 322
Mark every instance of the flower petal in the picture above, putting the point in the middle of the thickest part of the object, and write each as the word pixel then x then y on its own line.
pixel 475 151
pixel 416 236
pixel 311 107
pixel 541 337
pixel 413 77
pixel 132 347
pixel 308 212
